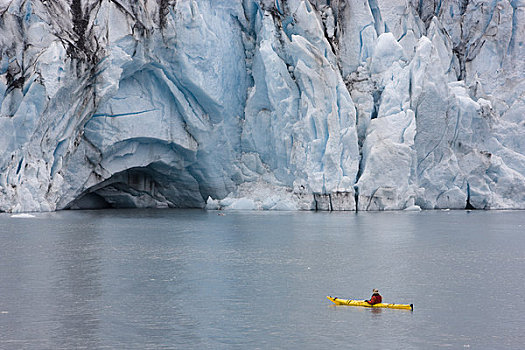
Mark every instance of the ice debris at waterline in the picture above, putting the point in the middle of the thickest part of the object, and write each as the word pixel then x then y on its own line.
pixel 262 104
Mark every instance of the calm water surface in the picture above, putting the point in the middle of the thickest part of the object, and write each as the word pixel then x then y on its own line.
pixel 190 279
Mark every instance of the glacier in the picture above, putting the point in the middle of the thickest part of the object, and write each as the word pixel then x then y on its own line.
pixel 262 104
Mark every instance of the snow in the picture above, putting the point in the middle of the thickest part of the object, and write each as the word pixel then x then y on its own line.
pixel 262 105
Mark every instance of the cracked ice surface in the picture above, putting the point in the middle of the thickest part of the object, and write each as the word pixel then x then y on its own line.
pixel 262 104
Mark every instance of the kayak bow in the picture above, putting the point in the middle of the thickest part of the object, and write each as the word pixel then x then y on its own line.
pixel 363 303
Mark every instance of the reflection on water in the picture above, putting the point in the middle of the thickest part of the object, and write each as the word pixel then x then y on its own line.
pixel 150 279
pixel 77 288
pixel 376 312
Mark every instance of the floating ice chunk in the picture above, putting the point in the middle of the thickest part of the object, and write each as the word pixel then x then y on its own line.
pixel 22 216
pixel 413 208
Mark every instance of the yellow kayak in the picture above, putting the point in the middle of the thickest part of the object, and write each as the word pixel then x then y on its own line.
pixel 338 301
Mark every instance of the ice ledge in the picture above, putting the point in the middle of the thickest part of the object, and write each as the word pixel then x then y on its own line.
pixel 262 195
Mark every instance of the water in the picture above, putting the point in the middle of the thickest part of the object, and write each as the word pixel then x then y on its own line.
pixel 189 279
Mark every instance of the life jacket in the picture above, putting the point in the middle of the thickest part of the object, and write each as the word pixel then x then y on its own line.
pixel 375 299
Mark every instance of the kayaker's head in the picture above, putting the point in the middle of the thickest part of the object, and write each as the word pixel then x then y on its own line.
pixel 375 291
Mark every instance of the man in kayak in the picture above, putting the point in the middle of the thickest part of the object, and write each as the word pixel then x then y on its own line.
pixel 376 298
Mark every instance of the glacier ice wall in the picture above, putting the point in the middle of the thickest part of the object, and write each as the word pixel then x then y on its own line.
pixel 262 104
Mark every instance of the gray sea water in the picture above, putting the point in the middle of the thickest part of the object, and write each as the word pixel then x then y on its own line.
pixel 191 279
